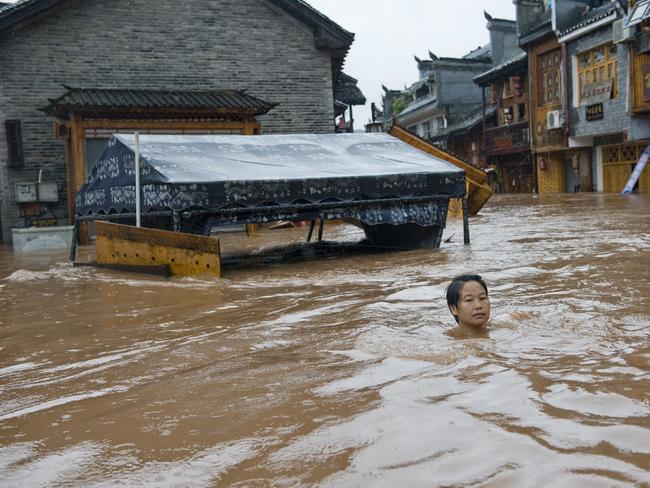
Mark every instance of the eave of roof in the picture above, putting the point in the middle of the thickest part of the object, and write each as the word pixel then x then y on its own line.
pixel 591 17
pixel 467 123
pixel 515 64
pixel 479 53
pixel 347 91
pixel 597 21
pixel 459 61
pixel 327 33
pixel 205 102
pixel 537 32
pixel 419 104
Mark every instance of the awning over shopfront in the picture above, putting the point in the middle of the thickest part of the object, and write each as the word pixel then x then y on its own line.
pixel 374 178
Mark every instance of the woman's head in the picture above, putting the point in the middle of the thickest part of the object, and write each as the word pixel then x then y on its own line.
pixel 468 302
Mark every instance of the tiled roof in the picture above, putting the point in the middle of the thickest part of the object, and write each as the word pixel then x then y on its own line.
pixel 516 63
pixel 418 104
pixel 459 61
pixel 327 32
pixel 465 119
pixel 536 32
pixel 174 101
pixel 591 17
pixel 479 52
pixel 348 92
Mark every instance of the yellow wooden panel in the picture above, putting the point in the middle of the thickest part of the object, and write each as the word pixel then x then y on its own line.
pixel 644 180
pixel 615 177
pixel 478 191
pixel 185 254
pixel 455 209
pixel 552 179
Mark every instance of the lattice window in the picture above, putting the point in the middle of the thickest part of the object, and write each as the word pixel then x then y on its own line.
pixel 623 153
pixel 610 155
pixel 550 79
pixel 628 153
pixel 595 67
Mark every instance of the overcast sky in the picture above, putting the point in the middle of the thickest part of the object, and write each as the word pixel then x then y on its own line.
pixel 389 32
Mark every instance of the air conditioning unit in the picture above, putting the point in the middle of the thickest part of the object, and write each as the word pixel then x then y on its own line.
pixel 621 33
pixel 554 119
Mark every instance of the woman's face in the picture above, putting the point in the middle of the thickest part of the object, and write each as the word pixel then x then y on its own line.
pixel 473 309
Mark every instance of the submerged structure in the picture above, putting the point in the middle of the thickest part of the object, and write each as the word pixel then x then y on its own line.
pixel 190 183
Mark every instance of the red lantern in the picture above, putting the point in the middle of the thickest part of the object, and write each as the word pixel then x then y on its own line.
pixel 541 163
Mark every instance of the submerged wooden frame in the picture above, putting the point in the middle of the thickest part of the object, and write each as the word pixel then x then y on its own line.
pixel 126 247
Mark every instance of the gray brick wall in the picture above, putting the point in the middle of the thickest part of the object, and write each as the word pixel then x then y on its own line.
pixel 615 117
pixel 455 84
pixel 162 44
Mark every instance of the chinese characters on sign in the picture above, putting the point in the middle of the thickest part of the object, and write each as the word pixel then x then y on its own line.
pixel 594 112
pixel 598 91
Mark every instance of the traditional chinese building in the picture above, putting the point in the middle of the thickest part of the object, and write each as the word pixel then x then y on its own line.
pixel 588 117
pixel 72 72
pixel 547 95
pixel 507 135
pixel 606 136
pixel 445 106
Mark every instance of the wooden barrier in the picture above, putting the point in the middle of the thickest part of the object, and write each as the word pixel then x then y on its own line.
pixel 478 191
pixel 185 254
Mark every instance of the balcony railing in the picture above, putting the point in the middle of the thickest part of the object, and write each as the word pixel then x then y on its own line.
pixel 507 138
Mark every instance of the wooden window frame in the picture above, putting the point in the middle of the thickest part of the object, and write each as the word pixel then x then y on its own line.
pixel 549 77
pixel 596 70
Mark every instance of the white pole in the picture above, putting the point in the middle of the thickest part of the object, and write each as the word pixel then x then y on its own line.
pixel 137 179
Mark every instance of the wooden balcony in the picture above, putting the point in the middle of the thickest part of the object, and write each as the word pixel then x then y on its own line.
pixel 507 139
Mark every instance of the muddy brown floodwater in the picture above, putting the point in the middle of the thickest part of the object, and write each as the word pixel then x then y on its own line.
pixel 338 372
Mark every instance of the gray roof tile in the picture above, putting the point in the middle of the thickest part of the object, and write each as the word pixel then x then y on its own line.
pixel 177 101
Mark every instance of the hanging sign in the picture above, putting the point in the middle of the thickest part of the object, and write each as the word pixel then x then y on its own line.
pixel 594 111
pixel 597 92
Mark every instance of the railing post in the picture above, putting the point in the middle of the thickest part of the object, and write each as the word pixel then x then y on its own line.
pixel 465 221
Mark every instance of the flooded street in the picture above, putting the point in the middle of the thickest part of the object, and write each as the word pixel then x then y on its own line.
pixel 339 372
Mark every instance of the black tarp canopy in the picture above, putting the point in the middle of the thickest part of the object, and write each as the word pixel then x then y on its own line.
pixel 375 178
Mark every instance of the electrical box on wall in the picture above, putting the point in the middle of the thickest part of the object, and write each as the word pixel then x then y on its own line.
pixel 47 191
pixel 26 193
pixel 44 191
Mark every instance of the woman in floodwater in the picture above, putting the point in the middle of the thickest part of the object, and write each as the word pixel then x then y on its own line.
pixel 468 302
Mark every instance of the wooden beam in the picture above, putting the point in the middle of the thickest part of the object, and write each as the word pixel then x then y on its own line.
pixel 160 124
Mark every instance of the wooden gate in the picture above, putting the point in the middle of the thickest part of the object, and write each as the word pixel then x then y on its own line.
pixel 618 163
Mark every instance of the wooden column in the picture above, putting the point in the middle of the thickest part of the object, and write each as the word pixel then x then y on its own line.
pixel 78 159
pixel 69 176
pixel 250 127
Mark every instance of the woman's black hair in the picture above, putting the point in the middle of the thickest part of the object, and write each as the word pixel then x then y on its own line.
pixel 456 287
